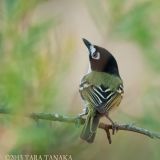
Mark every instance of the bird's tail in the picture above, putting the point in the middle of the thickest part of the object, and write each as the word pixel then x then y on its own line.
pixel 89 130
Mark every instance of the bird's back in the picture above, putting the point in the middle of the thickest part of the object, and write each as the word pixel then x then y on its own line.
pixel 102 78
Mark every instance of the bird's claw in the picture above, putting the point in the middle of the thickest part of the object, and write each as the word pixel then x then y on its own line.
pixel 78 120
pixel 114 128
pixel 80 115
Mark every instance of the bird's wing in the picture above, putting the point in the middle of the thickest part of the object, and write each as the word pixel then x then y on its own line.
pixel 99 96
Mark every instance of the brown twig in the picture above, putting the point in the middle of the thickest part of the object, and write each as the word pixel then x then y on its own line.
pixel 106 127
pixel 81 121
pixel 131 128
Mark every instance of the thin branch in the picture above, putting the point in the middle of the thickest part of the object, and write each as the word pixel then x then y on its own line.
pixel 81 121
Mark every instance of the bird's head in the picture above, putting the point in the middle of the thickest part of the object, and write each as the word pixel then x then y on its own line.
pixel 100 59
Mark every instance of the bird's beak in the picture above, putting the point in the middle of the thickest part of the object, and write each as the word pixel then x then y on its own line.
pixel 87 43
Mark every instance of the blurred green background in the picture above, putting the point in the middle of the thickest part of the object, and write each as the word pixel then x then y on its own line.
pixel 42 59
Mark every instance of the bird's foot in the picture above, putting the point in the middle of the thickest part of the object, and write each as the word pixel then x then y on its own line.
pixel 84 113
pixel 81 115
pixel 114 124
pixel 114 127
pixel 79 118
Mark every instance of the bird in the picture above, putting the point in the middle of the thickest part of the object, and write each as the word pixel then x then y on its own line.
pixel 101 89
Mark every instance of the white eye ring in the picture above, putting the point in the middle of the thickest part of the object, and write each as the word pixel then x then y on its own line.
pixel 96 55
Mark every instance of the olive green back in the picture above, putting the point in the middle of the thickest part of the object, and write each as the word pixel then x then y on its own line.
pixel 102 78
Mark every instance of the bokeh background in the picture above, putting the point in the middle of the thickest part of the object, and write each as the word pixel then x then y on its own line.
pixel 43 58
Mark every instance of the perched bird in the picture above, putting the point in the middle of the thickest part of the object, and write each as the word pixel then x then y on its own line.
pixel 101 89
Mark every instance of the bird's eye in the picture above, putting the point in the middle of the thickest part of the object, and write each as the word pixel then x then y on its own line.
pixel 96 55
